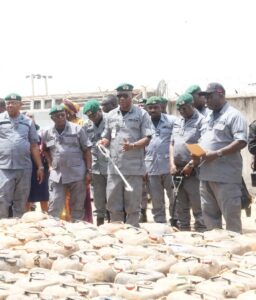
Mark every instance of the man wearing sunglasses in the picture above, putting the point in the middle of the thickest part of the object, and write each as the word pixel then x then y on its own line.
pixel 68 152
pixel 127 132
pixel 224 135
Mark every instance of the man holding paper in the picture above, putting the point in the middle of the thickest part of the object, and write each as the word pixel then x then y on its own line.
pixel 187 129
pixel 224 134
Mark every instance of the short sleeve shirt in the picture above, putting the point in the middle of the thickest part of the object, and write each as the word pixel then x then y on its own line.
pixel 133 126
pixel 67 152
pixel 185 131
pixel 16 136
pixel 218 131
pixel 157 152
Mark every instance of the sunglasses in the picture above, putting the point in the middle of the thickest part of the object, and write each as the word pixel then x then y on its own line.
pixel 123 95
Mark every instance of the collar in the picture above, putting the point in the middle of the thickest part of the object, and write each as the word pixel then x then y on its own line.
pixel 130 111
pixel 66 128
pixel 194 115
pixel 222 111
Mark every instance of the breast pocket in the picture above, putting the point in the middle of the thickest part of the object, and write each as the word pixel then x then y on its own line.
pixel 71 140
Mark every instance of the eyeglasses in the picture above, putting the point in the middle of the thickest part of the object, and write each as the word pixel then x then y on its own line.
pixel 123 95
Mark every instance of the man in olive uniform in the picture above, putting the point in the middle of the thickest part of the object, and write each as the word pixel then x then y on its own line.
pixel 224 134
pixel 157 159
pixel 67 150
pixel 127 132
pixel 186 129
pixel 99 161
pixel 18 142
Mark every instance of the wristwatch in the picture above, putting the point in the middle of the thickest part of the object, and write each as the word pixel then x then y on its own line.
pixel 41 168
pixel 219 153
pixel 89 170
pixel 191 164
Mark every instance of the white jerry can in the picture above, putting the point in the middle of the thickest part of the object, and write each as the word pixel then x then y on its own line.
pixel 222 286
pixel 243 276
pixel 99 272
pixel 38 279
pixel 25 295
pixel 138 275
pixel 10 263
pixel 249 295
pixel 143 290
pixel 33 217
pixel 192 265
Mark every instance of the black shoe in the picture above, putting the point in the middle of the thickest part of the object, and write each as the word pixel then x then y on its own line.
pixel 174 223
pixel 100 221
pixel 143 216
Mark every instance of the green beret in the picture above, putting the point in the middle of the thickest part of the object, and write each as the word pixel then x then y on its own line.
pixel 153 100
pixel 13 97
pixel 124 87
pixel 142 100
pixel 91 107
pixel 193 89
pixel 184 99
pixel 56 108
pixel 163 100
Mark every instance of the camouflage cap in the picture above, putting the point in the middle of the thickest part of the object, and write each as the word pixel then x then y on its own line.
pixel 213 87
pixel 56 108
pixel 184 99
pixel 153 100
pixel 193 89
pixel 91 107
pixel 13 97
pixel 124 87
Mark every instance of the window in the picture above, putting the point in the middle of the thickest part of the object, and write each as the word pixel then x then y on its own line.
pixel 58 101
pixel 47 103
pixel 37 104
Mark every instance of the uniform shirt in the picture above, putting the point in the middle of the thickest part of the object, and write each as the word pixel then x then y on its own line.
pixel 99 161
pixel 185 131
pixel 16 136
pixel 157 152
pixel 220 130
pixel 205 111
pixel 133 126
pixel 67 152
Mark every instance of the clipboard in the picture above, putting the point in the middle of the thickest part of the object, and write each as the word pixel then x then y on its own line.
pixel 196 150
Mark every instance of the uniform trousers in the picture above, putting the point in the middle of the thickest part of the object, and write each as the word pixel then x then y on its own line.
pixel 157 186
pixel 57 198
pixel 119 200
pixel 221 199
pixel 189 197
pixel 14 191
pixel 99 183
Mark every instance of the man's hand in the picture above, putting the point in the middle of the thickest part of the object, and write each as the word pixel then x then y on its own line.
pixel 104 142
pixel 126 146
pixel 40 175
pixel 173 170
pixel 187 170
pixel 211 156
pixel 88 178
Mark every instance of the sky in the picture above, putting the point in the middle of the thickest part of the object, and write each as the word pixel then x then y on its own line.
pixel 94 45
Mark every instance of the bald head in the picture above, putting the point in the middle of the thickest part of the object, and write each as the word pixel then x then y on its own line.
pixel 2 105
pixel 109 102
